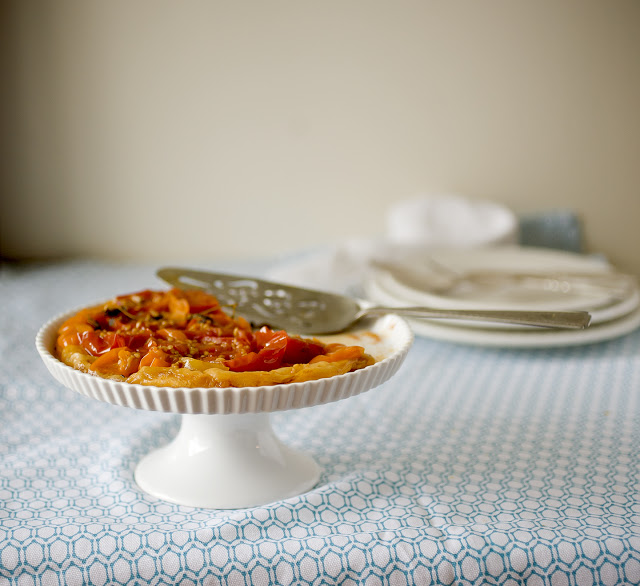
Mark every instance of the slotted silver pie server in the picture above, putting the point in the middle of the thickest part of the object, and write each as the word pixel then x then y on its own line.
pixel 306 311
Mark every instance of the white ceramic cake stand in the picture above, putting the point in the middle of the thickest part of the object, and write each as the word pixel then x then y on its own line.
pixel 226 454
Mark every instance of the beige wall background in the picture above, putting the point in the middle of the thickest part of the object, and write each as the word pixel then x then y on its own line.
pixel 163 130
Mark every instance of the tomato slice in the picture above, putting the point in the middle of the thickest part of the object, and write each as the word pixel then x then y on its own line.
pixel 300 351
pixel 263 335
pixel 155 357
pixel 107 362
pixel 97 343
pixel 116 361
pixel 276 348
pixel 172 334
pixel 139 340
pixel 200 301
pixel 340 353
pixel 268 358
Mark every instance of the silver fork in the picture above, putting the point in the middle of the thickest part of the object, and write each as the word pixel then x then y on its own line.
pixel 440 279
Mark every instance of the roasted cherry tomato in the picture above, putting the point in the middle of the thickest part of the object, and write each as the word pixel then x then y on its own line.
pixel 155 357
pixel 301 351
pixel 298 350
pixel 199 301
pixel 97 343
pixel 268 358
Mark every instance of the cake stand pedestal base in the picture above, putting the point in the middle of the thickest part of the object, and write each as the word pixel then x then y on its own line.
pixel 226 462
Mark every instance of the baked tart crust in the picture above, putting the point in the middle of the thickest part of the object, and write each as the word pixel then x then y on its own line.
pixel 184 339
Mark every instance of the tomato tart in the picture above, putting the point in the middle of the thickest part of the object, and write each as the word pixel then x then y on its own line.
pixel 184 338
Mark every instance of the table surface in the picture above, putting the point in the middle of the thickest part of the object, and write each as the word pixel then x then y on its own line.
pixel 471 466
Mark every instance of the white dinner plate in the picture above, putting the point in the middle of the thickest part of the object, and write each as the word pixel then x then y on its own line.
pixel 382 291
pixel 508 259
pixel 611 316
pixel 387 288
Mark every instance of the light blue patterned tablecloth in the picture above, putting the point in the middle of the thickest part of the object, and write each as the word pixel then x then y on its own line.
pixel 471 466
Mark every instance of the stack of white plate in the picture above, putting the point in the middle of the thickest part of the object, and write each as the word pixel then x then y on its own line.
pixel 410 283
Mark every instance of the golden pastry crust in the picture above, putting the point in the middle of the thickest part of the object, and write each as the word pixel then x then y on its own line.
pixel 184 339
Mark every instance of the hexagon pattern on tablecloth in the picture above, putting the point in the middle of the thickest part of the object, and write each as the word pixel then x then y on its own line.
pixel 471 466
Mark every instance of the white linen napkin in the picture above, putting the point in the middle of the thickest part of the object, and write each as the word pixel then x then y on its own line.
pixel 422 222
